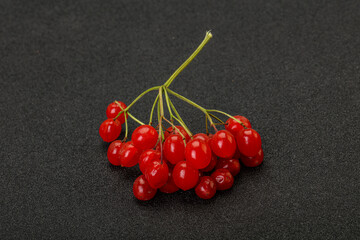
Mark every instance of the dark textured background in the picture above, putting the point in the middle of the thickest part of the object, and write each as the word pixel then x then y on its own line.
pixel 291 67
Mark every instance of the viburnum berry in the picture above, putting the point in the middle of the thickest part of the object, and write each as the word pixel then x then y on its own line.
pixel 146 157
pixel 144 137
pixel 234 127
pixel 157 174
pixel 172 130
pixel 223 144
pixel 170 186
pixel 185 176
pixel 249 142
pixel 113 152
pixel 203 137
pixel 211 165
pixel 129 155
pixel 142 189
pixel 223 178
pixel 206 189
pixel 253 161
pixel 233 165
pixel 174 148
pixel 110 130
pixel 198 153
pixel 113 110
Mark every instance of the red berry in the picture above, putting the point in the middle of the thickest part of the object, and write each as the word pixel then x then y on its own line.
pixel 211 165
pixel 142 189
pixel 174 148
pixel 170 186
pixel 198 153
pixel 185 176
pixel 233 165
pixel 110 130
pixel 146 157
pixel 113 110
pixel 223 144
pixel 206 189
pixel 172 130
pixel 129 155
pixel 144 137
pixel 202 136
pixel 223 178
pixel 113 153
pixel 253 161
pixel 157 174
pixel 234 127
pixel 249 142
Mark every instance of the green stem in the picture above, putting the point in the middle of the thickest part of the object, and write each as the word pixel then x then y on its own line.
pixel 136 99
pixel 226 114
pixel 212 115
pixel 168 103
pixel 126 125
pixel 180 120
pixel 135 119
pixel 194 105
pixel 161 108
pixel 208 36
pixel 152 109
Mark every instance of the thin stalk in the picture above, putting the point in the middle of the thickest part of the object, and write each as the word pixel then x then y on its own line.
pixel 126 127
pixel 212 115
pixel 135 119
pixel 152 110
pixel 168 103
pixel 208 36
pixel 160 119
pixel 136 99
pixel 226 114
pixel 194 105
pixel 184 126
pixel 179 118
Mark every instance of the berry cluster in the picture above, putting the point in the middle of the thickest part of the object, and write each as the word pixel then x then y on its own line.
pixel 173 158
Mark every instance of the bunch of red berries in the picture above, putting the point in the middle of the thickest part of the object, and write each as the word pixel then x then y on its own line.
pixel 173 158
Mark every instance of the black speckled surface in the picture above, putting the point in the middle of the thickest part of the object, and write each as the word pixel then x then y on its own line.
pixel 291 67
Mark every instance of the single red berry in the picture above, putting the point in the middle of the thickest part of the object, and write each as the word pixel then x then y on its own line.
pixel 223 144
pixel 144 137
pixel 170 186
pixel 113 153
pixel 113 110
pixel 142 189
pixel 253 161
pixel 249 142
pixel 233 165
pixel 198 153
pixel 185 176
pixel 129 155
pixel 146 157
pixel 234 127
pixel 172 130
pixel 223 178
pixel 157 174
pixel 174 148
pixel 110 130
pixel 202 136
pixel 211 165
pixel 206 189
